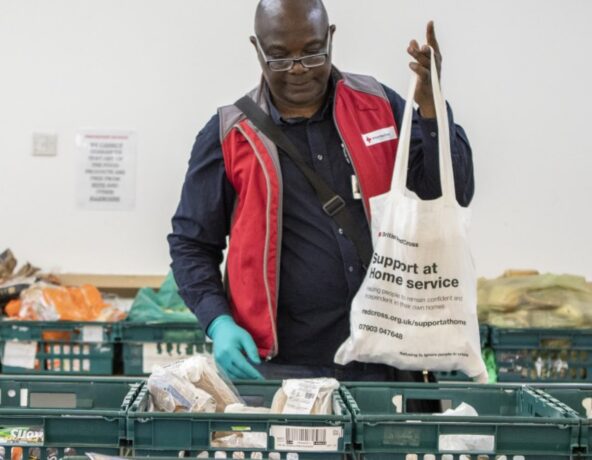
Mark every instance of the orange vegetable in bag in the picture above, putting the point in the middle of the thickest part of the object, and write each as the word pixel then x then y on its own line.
pixel 13 308
pixel 51 303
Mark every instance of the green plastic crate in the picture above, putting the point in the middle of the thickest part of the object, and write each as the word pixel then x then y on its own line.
pixel 58 415
pixel 543 355
pixel 515 421
pixel 164 434
pixel 154 343
pixel 458 376
pixel 59 347
pixel 579 398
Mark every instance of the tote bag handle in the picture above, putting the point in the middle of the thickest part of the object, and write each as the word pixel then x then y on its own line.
pixel 399 180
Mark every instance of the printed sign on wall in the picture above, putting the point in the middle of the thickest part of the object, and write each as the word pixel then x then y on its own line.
pixel 107 170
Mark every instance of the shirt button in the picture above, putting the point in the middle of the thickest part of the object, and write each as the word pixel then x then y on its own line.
pixel 350 268
pixel 340 230
pixel 433 134
pixel 320 157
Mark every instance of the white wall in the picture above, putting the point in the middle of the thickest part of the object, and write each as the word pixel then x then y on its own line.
pixel 516 72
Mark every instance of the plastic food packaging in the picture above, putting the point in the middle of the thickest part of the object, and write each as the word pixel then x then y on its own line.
pixel 191 385
pixel 173 393
pixel 46 302
pixel 305 396
pixel 528 299
pixel 467 442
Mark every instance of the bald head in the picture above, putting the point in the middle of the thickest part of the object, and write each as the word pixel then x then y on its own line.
pixel 274 14
pixel 294 31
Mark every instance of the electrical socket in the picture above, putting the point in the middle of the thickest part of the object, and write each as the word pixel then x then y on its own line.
pixel 45 144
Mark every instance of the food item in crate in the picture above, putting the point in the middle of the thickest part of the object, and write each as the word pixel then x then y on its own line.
pixel 12 308
pixel 16 453
pixel 305 396
pixel 525 300
pixel 44 302
pixel 203 373
pixel 172 387
pixel 13 282
pixel 517 319
pixel 33 306
pixel 173 393
pixel 464 443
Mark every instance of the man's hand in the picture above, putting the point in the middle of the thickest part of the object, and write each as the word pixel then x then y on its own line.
pixel 423 92
pixel 231 344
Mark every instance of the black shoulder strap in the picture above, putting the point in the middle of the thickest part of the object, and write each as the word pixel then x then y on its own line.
pixel 332 203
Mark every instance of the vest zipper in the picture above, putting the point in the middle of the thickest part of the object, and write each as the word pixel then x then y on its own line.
pixel 274 350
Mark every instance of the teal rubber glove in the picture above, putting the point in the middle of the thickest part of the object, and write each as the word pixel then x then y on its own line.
pixel 231 344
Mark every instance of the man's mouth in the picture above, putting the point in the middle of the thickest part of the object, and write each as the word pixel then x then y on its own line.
pixel 300 83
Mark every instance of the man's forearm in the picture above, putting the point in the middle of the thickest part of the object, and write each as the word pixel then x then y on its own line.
pixel 424 169
pixel 196 270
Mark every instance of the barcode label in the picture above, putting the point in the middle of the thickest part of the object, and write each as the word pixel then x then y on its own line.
pixel 325 439
pixel 302 394
pixel 306 435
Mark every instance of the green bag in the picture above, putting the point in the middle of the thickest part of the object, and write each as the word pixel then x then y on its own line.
pixel 489 359
pixel 163 306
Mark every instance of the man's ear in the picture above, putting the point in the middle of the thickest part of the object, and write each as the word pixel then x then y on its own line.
pixel 332 28
pixel 252 40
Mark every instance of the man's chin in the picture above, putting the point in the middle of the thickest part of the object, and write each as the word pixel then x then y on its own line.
pixel 304 97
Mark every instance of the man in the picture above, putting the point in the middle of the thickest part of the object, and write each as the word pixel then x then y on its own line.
pixel 291 270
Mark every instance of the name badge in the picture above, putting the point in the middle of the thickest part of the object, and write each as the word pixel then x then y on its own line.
pixel 379 136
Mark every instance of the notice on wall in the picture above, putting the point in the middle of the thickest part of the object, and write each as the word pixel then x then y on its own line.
pixel 107 170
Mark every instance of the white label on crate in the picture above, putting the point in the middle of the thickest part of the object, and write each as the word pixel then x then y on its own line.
pixel 20 354
pixel 453 442
pixel 306 438
pixel 92 334
pixel 301 394
pixel 24 397
pixel 21 435
pixel 154 354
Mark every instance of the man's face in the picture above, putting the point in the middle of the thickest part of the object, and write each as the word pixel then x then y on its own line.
pixel 298 87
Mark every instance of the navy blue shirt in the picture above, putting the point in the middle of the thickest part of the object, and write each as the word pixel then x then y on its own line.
pixel 320 270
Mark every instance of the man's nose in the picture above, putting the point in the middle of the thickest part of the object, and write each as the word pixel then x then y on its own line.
pixel 298 68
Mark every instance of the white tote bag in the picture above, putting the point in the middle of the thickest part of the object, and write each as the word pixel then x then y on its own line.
pixel 417 306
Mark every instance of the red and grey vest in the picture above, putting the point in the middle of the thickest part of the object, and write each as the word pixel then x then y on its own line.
pixel 366 125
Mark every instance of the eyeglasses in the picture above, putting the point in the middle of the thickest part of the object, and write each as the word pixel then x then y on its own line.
pixel 284 65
